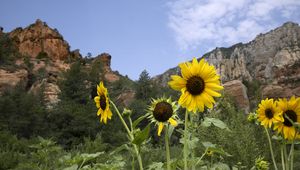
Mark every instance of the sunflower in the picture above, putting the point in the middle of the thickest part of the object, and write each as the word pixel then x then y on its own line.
pixel 198 85
pixel 291 113
pixel 102 103
pixel 161 112
pixel 268 113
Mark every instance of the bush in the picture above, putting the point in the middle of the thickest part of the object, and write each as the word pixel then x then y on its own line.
pixel 244 142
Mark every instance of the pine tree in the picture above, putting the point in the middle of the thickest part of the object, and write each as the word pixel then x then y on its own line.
pixel 143 87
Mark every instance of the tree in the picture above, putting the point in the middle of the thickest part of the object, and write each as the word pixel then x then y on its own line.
pixel 8 51
pixel 143 86
pixel 73 87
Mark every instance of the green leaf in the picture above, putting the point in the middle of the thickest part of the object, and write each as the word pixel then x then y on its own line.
pixel 137 121
pixel 208 145
pixel 207 122
pixel 192 142
pixel 170 131
pixel 156 166
pixel 141 136
pixel 276 137
pixel 90 156
pixel 74 167
pixel 220 166
pixel 219 151
pixel 120 148
pixel 214 148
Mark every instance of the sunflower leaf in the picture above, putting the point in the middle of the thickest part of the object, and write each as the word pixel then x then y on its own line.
pixel 137 121
pixel 214 148
pixel 207 122
pixel 220 166
pixel 156 166
pixel 141 136
pixel 120 148
pixel 208 145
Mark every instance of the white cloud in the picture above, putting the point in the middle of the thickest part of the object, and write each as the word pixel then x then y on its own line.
pixel 224 22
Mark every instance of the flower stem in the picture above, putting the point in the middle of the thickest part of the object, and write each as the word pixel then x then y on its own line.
pixel 121 118
pixel 192 152
pixel 130 135
pixel 286 157
pixel 201 156
pixel 282 157
pixel 185 149
pixel 291 155
pixel 271 149
pixel 167 148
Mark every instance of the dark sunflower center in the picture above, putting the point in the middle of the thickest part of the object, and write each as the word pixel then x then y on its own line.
pixel 102 102
pixel 291 115
pixel 162 111
pixel 269 113
pixel 195 85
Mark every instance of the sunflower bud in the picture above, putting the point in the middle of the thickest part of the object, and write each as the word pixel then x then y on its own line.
pixel 127 112
pixel 252 117
pixel 261 164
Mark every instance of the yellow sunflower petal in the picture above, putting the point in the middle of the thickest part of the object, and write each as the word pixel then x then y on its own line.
pixel 193 105
pixel 214 86
pixel 99 112
pixel 212 93
pixel 160 128
pixel 109 114
pixel 185 71
pixel 200 103
pixel 195 69
pixel 104 117
pixel 173 122
pixel 183 98
pixel 177 82
pixel 97 101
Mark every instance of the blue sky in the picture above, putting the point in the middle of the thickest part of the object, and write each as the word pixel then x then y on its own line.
pixel 156 34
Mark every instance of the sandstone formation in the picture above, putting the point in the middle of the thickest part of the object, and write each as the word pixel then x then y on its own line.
pixel 38 38
pixel 126 98
pixel 105 62
pixel 8 78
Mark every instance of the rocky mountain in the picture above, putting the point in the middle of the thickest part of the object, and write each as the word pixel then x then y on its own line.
pixel 271 60
pixel 268 66
pixel 43 56
pixel 37 38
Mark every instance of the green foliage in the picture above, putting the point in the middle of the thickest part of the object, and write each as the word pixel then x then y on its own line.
pixel 45 154
pixel 70 125
pixel 141 136
pixel 22 113
pixel 12 150
pixel 73 87
pixel 120 86
pixel 143 86
pixel 253 92
pixel 245 141
pixel 8 51
pixel 42 55
pixel 96 72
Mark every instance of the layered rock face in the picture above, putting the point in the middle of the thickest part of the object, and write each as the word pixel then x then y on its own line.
pixel 272 59
pixel 8 78
pixel 267 58
pixel 37 38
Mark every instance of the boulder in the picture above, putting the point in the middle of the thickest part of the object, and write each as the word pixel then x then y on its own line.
pixel 238 91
